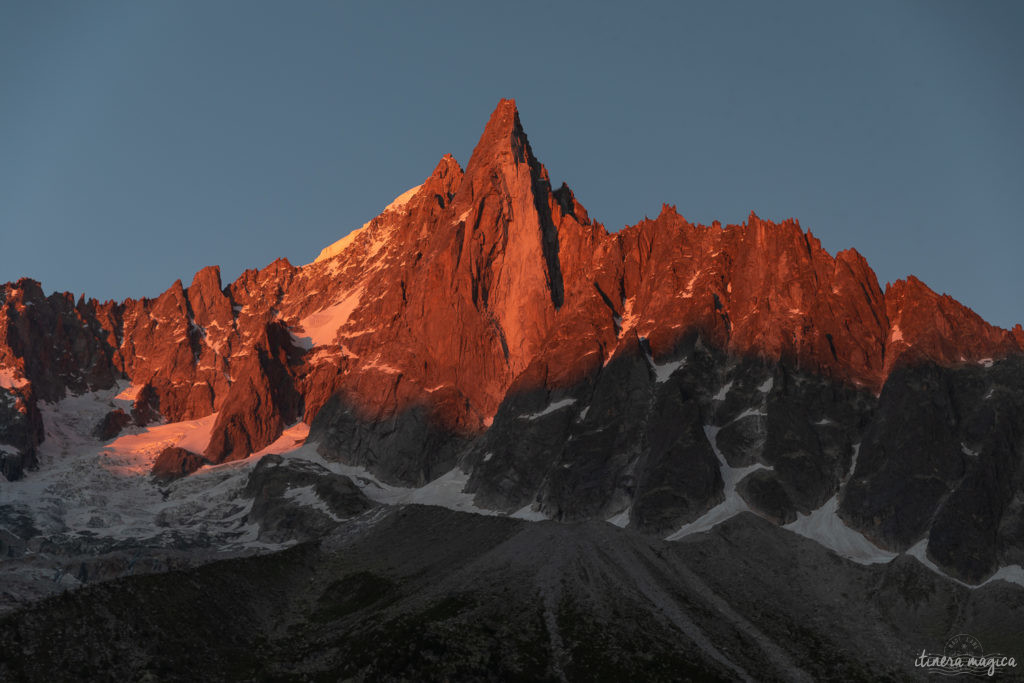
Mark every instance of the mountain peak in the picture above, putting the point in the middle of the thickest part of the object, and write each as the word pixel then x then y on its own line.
pixel 445 179
pixel 503 136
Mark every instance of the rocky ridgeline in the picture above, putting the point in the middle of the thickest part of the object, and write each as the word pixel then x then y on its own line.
pixel 487 321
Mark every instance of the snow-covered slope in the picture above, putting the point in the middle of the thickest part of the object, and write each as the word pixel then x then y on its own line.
pixel 332 250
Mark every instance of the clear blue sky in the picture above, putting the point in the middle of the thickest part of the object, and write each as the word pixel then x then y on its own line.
pixel 140 141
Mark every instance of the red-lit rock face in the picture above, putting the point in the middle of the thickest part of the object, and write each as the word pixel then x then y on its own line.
pixel 480 281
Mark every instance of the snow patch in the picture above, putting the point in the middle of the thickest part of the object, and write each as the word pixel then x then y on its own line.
pixel 825 527
pixel 291 438
pixel 557 405
pixel 723 392
pixel 621 520
pixel 307 497
pixel 663 371
pixel 767 385
pixel 321 328
pixel 732 505
pixel 629 317
pixel 688 291
pixel 1013 573
pixel 528 513
pixel 403 199
pixel 748 413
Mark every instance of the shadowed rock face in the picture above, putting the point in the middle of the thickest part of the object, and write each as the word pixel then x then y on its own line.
pixel 942 461
pixel 112 424
pixel 657 446
pixel 295 500
pixel 21 431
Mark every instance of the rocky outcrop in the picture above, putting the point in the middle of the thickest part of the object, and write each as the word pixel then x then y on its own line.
pixel 53 343
pixel 298 500
pixel 111 424
pixel 262 399
pixel 175 463
pixel 21 431
pixel 925 326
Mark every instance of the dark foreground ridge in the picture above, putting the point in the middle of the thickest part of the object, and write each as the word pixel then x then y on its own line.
pixel 431 594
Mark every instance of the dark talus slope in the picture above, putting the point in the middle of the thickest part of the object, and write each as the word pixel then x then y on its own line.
pixel 425 593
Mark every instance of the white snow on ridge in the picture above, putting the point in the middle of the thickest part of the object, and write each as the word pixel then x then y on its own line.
pixel 336 248
pixel 403 199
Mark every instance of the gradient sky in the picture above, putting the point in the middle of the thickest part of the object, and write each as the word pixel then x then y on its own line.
pixel 140 141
